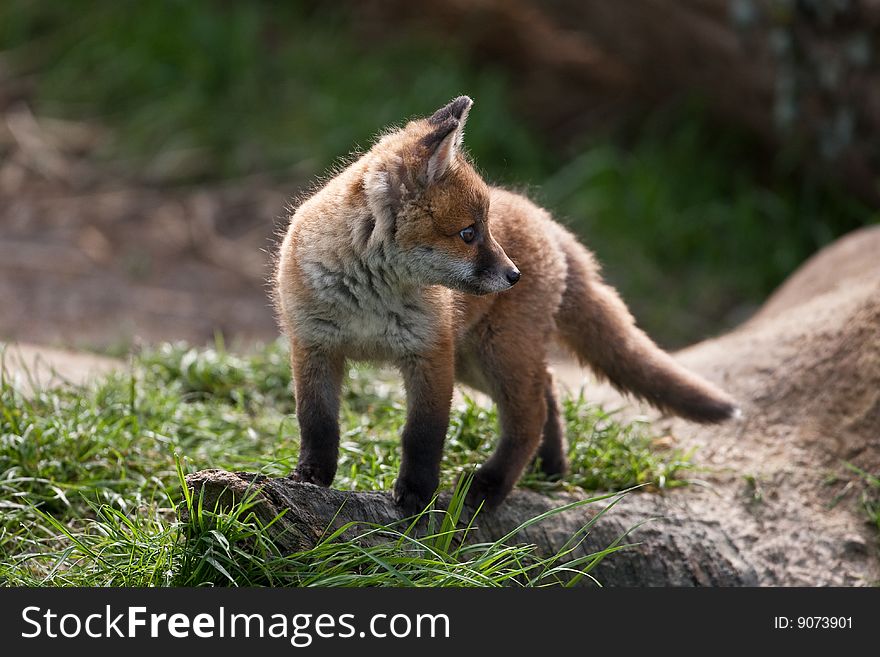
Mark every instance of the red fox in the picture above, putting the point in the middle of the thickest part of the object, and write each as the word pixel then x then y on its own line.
pixel 408 257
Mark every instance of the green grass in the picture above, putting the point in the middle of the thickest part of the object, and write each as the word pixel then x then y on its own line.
pixel 870 494
pixel 91 478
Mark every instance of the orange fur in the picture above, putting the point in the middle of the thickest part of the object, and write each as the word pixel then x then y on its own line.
pixel 407 256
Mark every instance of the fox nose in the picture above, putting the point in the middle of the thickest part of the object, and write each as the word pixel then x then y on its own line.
pixel 512 275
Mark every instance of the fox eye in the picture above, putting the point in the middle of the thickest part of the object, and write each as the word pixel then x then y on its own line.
pixel 468 234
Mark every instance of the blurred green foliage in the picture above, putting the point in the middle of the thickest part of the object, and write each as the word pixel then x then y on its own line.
pixel 692 227
pixel 233 88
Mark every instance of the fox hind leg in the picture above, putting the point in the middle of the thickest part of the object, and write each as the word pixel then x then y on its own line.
pixel 551 458
pixel 517 385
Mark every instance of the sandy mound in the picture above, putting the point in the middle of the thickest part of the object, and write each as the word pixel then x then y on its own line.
pixel 806 370
pixel 807 367
pixel 852 259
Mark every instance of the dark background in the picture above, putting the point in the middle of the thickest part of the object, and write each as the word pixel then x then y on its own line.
pixel 703 148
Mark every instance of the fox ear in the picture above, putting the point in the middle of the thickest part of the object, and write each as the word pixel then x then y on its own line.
pixel 457 109
pixel 444 141
pixel 442 145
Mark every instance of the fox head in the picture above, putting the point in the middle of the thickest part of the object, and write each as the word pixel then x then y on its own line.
pixel 425 195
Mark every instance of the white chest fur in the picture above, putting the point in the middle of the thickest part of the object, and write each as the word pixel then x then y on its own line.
pixel 366 309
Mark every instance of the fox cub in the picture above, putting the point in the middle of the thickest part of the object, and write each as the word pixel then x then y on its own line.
pixel 408 257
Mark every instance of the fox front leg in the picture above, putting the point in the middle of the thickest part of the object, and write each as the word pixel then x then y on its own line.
pixel 317 379
pixel 428 380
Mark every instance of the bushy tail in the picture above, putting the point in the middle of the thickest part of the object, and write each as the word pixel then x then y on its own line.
pixel 595 323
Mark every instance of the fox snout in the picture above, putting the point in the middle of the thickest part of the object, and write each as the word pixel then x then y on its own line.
pixel 494 271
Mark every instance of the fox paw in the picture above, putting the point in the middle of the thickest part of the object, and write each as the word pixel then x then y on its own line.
pixel 311 474
pixel 488 489
pixel 552 468
pixel 410 496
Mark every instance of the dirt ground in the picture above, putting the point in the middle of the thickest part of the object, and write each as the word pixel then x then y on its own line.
pixel 36 366
pixel 92 260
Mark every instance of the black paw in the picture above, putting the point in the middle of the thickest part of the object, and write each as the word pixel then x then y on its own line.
pixel 412 497
pixel 553 467
pixel 312 474
pixel 487 488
